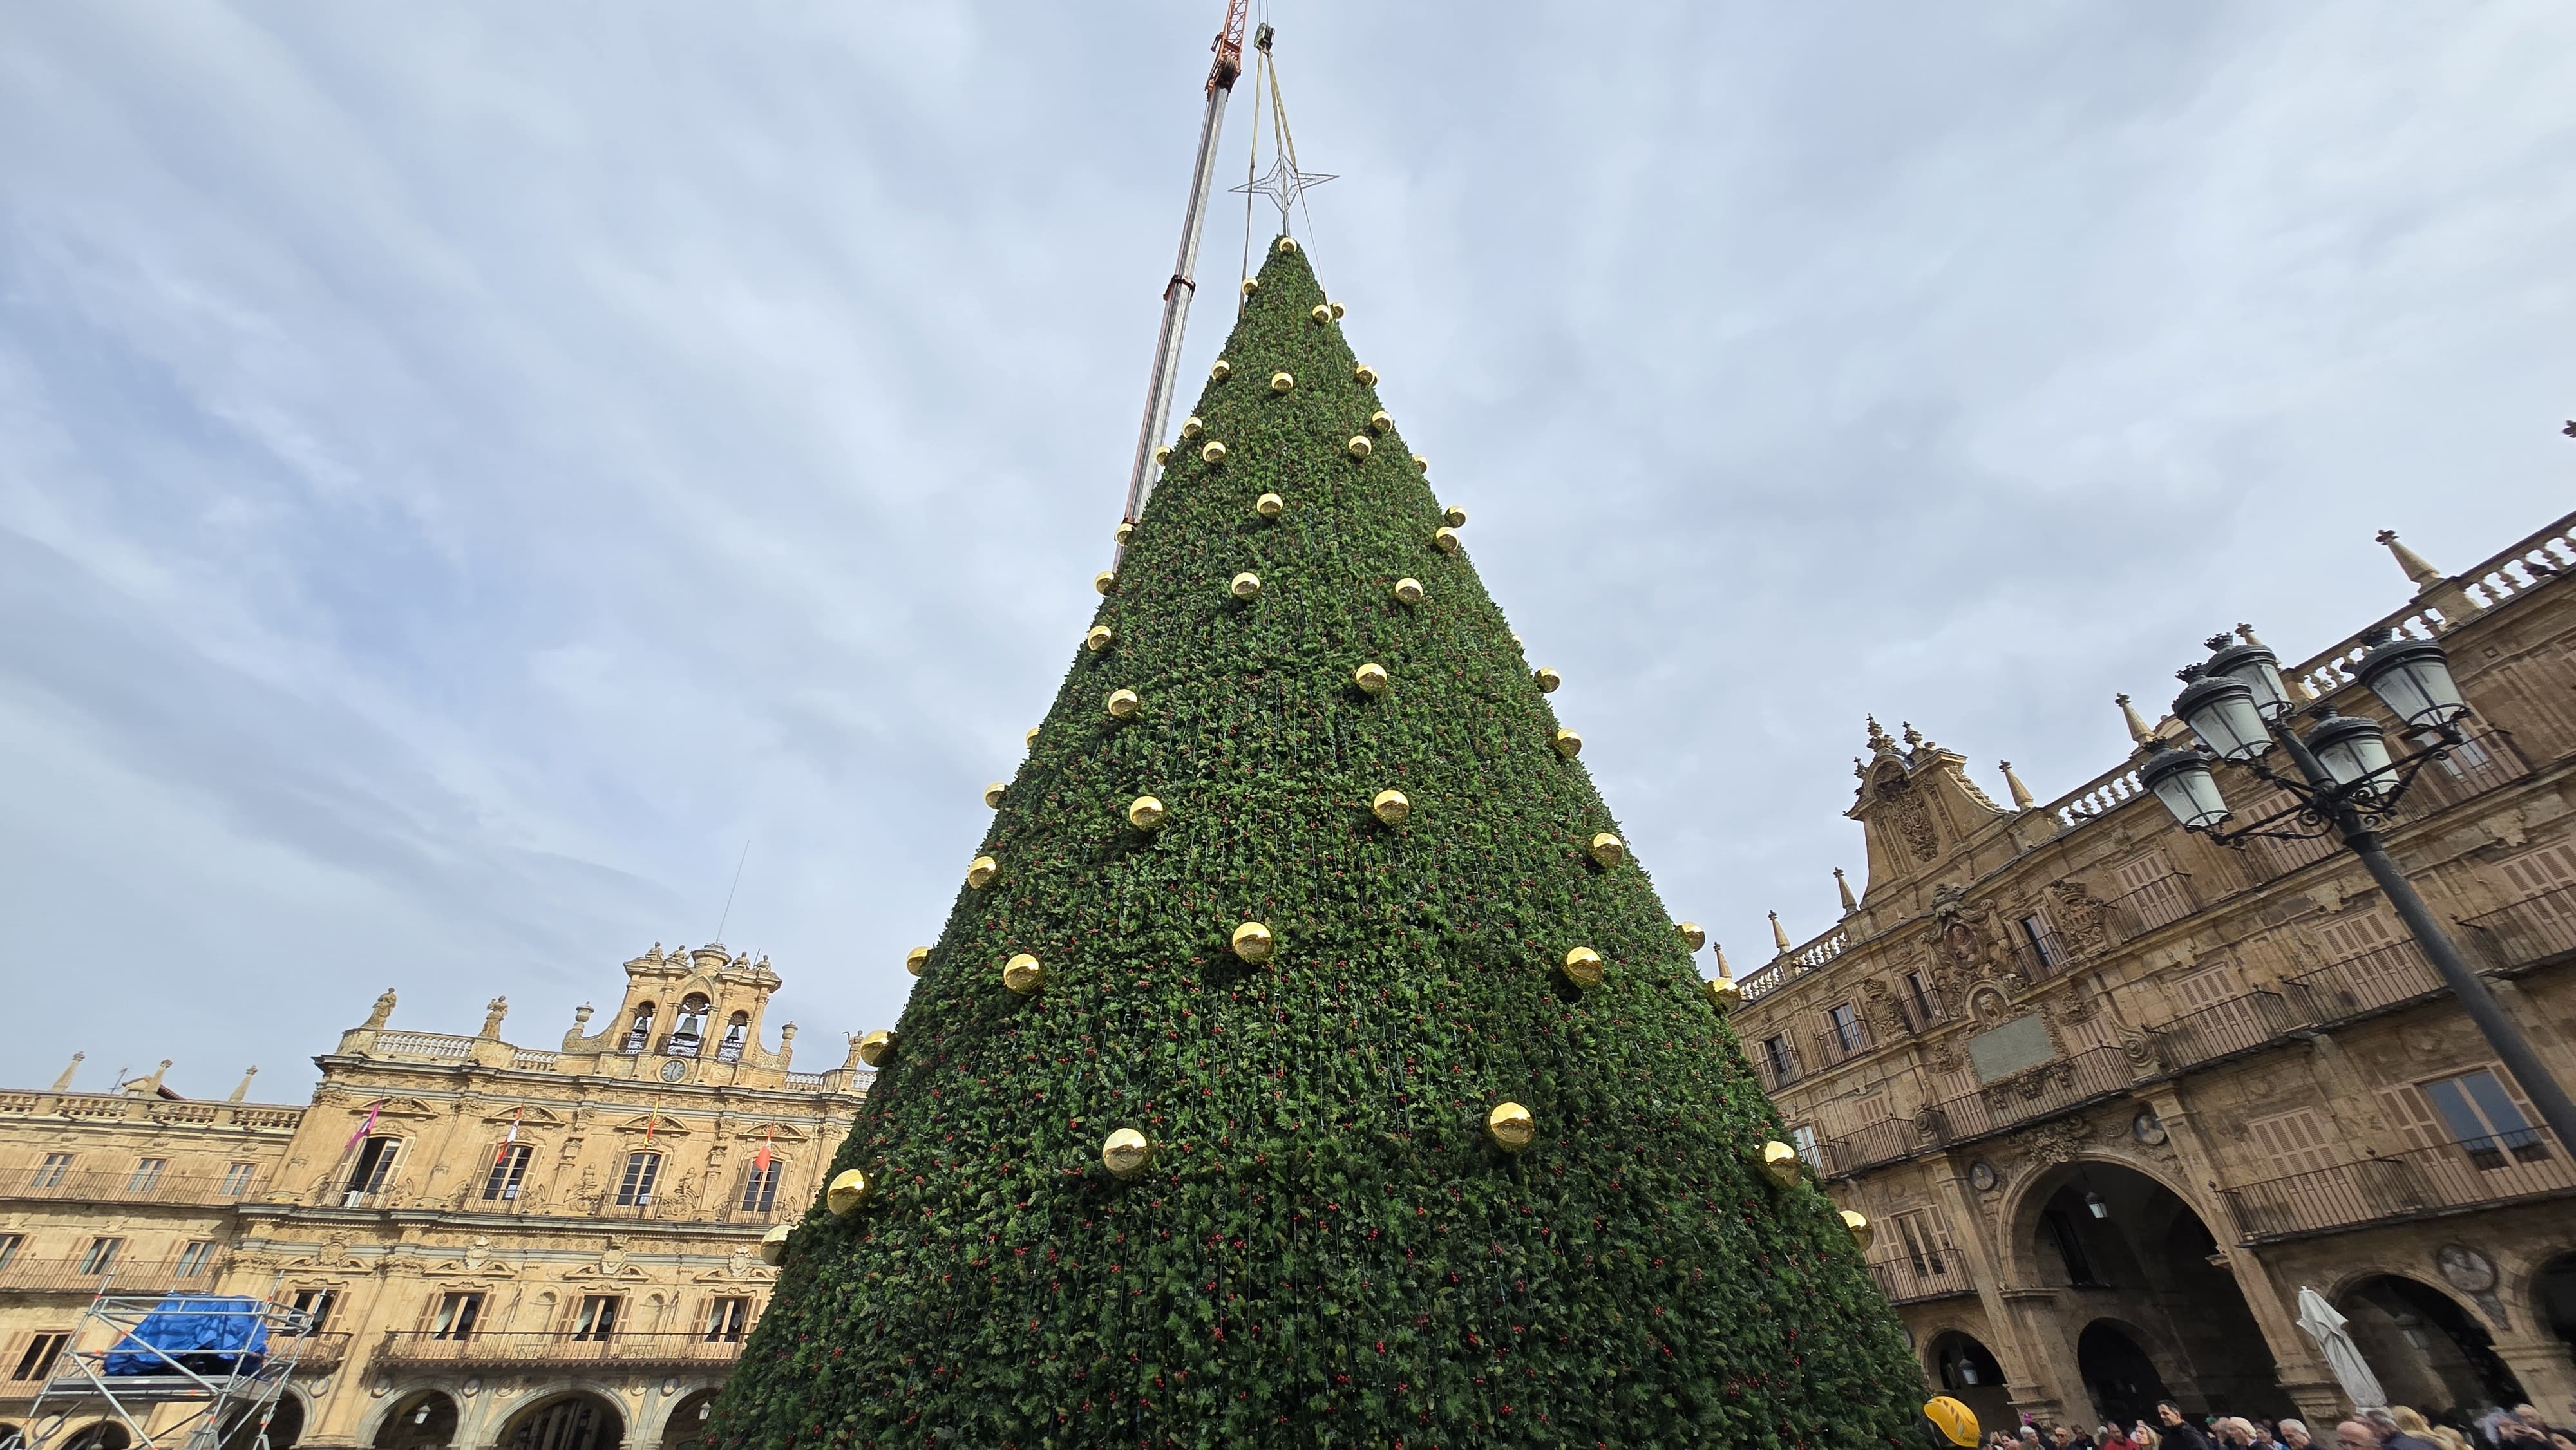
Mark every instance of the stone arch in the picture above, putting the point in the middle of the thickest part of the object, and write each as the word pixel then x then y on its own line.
pixel 2023 1199
pixel 1959 1364
pixel 416 1417
pixel 685 1426
pixel 106 1434
pixel 287 1421
pixel 2428 1348
pixel 565 1418
pixel 2121 1392
pixel 2550 1288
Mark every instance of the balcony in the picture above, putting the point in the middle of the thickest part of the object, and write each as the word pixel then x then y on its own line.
pixel 123 1275
pixel 2382 977
pixel 2160 902
pixel 1911 1278
pixel 2531 930
pixel 2039 956
pixel 637 1353
pixel 2420 1183
pixel 1838 1045
pixel 2486 760
pixel 127 1185
pixel 1779 1064
pixel 2223 1028
pixel 1881 1142
pixel 2050 1088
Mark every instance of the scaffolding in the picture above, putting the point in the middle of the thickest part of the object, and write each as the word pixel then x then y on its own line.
pixel 225 1358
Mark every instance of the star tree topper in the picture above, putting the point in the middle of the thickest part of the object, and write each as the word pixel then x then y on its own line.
pixel 1283 185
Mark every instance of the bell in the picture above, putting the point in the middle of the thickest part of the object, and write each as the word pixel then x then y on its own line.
pixel 1547 679
pixel 1358 446
pixel 1145 813
pixel 1246 585
pixel 1251 285
pixel 1191 427
pixel 981 871
pixel 1282 382
pixel 993 795
pixel 849 1189
pixel 1408 590
pixel 1022 974
pixel 1608 849
pixel 1106 581
pixel 1220 370
pixel 1287 246
pixel 1381 422
pixel 1783 1164
pixel 773 1245
pixel 1124 704
pixel 1723 994
pixel 876 1047
pixel 1367 375
pixel 1421 464
pixel 1270 505
pixel 1862 1231
pixel 1213 453
pixel 1337 308
pixel 1126 1152
pixel 916 959
pixel 1692 934
pixel 1511 1128
pixel 1126 530
pixel 1162 454
pixel 1097 638
pixel 1568 744
pixel 1371 678
pixel 1455 516
pixel 1390 807
pixel 1251 941
pixel 1321 313
pixel 1583 967
pixel 1444 538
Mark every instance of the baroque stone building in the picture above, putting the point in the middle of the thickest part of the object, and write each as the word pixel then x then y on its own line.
pixel 2114 1094
pixel 537 1249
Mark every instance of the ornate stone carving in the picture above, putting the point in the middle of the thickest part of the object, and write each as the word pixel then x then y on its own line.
pixel 1905 809
pixel 2081 918
pixel 2051 1142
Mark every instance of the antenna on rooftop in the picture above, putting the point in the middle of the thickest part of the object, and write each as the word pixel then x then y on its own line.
pixel 730 890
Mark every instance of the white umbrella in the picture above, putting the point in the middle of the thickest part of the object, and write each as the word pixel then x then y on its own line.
pixel 2351 1371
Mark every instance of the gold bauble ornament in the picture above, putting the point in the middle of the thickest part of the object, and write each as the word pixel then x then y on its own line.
pixel 1031 738
pixel 1516 640
pixel 773 1245
pixel 1251 285
pixel 916 959
pixel 1126 530
pixel 1511 1127
pixel 1408 590
pixel 1097 638
pixel 1723 994
pixel 1252 942
pixel 993 794
pixel 1390 807
pixel 1126 1152
pixel 1321 313
pixel 1287 246
pixel 1281 382
pixel 1366 374
pixel 1124 704
pixel 1220 370
pixel 1692 934
pixel 849 1189
pixel 1212 454
pixel 1270 505
pixel 981 871
pixel 1145 813
pixel 1860 1228
pixel 1381 422
pixel 1445 539
pixel 1246 585
pixel 1162 454
pixel 1337 308
pixel 1022 974
pixel 1568 744
pixel 876 1048
pixel 1359 445
pixel 1191 427
pixel 1371 678
pixel 1547 680
pixel 1608 849
pixel 1105 582
pixel 1421 464
pixel 1583 967
pixel 1782 1163
pixel 1454 516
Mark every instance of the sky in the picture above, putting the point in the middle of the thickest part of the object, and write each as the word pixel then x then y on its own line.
pixel 473 474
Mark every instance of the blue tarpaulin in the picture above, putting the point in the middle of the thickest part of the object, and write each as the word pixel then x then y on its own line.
pixel 206 1336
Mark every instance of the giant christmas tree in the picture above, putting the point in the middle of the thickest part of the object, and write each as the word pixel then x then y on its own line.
pixel 1195 1130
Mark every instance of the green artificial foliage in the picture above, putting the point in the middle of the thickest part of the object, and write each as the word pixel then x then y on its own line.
pixel 1325 1249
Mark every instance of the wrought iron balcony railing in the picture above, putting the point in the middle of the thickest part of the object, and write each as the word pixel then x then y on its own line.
pixel 415 1348
pixel 2419 1183
pixel 2530 930
pixel 1933 1274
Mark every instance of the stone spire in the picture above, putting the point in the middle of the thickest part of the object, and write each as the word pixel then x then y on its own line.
pixel 2139 730
pixel 2421 573
pixel 1843 886
pixel 1779 938
pixel 241 1090
pixel 2020 793
pixel 1724 972
pixel 63 1084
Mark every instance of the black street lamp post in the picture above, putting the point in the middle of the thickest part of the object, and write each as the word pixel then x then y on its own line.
pixel 2348 785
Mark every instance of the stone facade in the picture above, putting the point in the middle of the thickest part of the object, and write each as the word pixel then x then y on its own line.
pixel 539 1249
pixel 2113 1093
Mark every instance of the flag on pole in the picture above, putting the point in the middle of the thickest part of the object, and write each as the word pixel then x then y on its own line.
pixel 760 1160
pixel 366 1127
pixel 509 1138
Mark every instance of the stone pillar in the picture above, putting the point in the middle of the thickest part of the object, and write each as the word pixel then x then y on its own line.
pixel 2051 1390
pixel 2031 1393
pixel 2546 1365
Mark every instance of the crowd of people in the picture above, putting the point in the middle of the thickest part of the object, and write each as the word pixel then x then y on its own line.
pixel 2521 1427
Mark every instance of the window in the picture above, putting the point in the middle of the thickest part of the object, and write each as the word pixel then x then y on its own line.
pixel 196 1257
pixel 728 1320
pixel 2070 1248
pixel 9 1246
pixel 2153 891
pixel 760 1187
pixel 635 1190
pixel 2463 759
pixel 1777 1056
pixel 37 1361
pixel 101 1256
pixel 237 1179
pixel 51 1172
pixel 2296 1142
pixel 1845 1026
pixel 317 1304
pixel 1803 1138
pixel 2539 871
pixel 146 1174
pixel 2042 942
pixel 737 1033
pixel 691 1031
pixel 1925 1246
pixel 639 1033
pixel 2484 1120
pixel 509 1167
pixel 1918 988
pixel 374 1166
pixel 597 1317
pixel 455 1316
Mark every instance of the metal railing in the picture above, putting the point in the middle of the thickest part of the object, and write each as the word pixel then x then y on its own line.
pixel 2529 930
pixel 2152 904
pixel 1881 1142
pixel 2051 1088
pixel 408 1348
pixel 1838 1045
pixel 2237 1024
pixel 1933 1274
pixel 126 1185
pixel 2381 977
pixel 2417 1183
pixel 2040 958
pixel 123 1275
pixel 1781 1068
pixel 2486 760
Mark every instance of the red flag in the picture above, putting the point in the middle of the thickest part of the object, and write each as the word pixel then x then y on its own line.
pixel 760 1160
pixel 366 1127
pixel 509 1138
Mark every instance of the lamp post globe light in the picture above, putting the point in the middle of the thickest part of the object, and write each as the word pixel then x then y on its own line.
pixel 2348 785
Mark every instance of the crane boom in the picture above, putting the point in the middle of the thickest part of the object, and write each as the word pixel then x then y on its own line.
pixel 1178 292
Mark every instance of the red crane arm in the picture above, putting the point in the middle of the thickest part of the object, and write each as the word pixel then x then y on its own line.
pixel 1228 47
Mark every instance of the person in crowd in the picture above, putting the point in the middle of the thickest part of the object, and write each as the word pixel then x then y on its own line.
pixel 2356 1435
pixel 2294 1435
pixel 2448 1438
pixel 2400 1428
pixel 2108 1437
pixel 2179 1433
pixel 2066 1437
pixel 2144 1436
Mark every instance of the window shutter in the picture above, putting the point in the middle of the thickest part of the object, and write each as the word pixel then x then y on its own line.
pixel 2298 1141
pixel 2206 988
pixel 2423 1129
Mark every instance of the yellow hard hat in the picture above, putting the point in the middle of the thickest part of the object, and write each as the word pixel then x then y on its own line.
pixel 1956 1422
